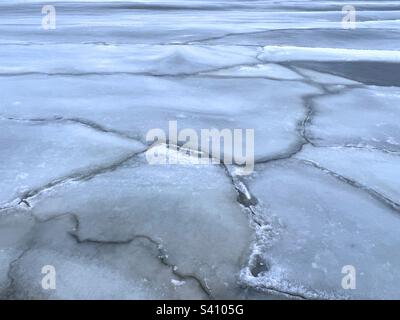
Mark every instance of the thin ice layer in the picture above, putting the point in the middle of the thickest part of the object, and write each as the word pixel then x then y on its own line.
pixel 87 270
pixel 363 116
pixel 190 210
pixel 370 168
pixel 325 224
pixel 136 104
pixel 34 153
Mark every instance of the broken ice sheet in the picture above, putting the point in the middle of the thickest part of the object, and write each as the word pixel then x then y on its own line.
pixel 324 224
pixel 361 116
pixel 89 270
pixel 145 59
pixel 14 238
pixel 325 78
pixel 268 70
pixel 163 22
pixel 190 210
pixel 359 38
pixel 372 169
pixel 35 153
pixel 136 104
pixel 204 62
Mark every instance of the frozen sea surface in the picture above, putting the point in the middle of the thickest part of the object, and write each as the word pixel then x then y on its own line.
pixel 77 191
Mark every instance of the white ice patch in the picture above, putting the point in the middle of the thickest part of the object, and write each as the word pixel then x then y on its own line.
pixel 177 283
pixel 269 70
pixel 290 53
